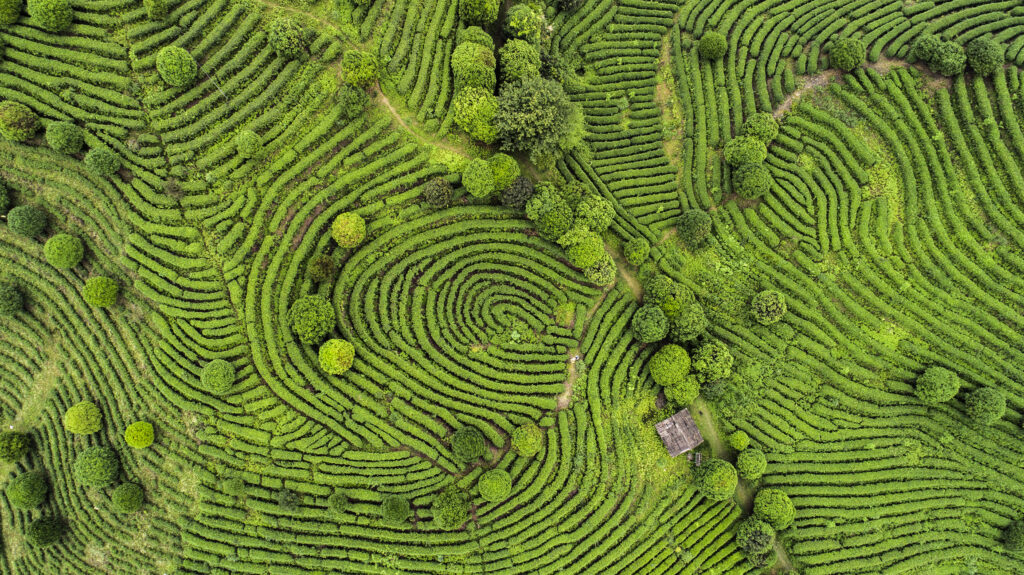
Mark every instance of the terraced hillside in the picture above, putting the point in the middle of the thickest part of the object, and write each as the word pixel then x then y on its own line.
pixel 404 287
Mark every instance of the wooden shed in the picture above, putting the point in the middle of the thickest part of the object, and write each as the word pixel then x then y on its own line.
pixel 679 433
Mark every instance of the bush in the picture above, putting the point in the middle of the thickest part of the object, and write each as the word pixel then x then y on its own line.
pixel 768 307
pixel 847 53
pixel 926 47
pixel 288 499
pixel 1013 536
pixel 937 385
pixel 155 9
pixel 688 324
pixel 984 56
pixel 100 291
pixel 524 23
pixel 450 509
pixel 234 486
pixel 321 268
pixel 505 170
pixel 247 143
pixel 176 66
pixel 527 439
pixel 97 467
pixel 10 11
pixel 44 531
pixel 650 325
pixel 5 198
pixel 739 440
pixel 65 137
pixel 102 161
pixel 669 366
pixel 745 150
pixel 218 376
pixel 716 479
pixel 495 485
pixel 312 318
pixel 476 35
pixel 360 68
pixel 712 361
pixel 756 541
pixel 519 60
pixel 572 192
pixel 18 123
pixel 670 296
pixel 683 394
pixel 518 194
pixel 478 12
pixel 478 178
pixel 468 444
pixel 28 221
pixel 762 126
pixel 63 251
pixel 751 464
pixel 474 112
pixel 83 418
pixel 348 229
pixel 438 192
pixel 594 212
pixel 712 45
pixel 51 15
pixel 352 101
pixel 337 503
pixel 774 507
pixel 751 180
pixel 549 212
pixel 583 247
pixel 28 490
pixel 694 228
pixel 536 116
pixel 139 435
pixel 287 38
pixel 985 405
pixel 949 60
pixel 473 67
pixel 336 356
pixel 637 250
pixel 395 509
pixel 14 445
pixel 602 273
pixel 127 498
pixel 11 299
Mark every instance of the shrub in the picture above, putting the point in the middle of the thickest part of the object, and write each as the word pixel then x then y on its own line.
pixel 478 12
pixel 97 467
pixel 287 38
pixel 337 503
pixel 234 486
pixel 395 509
pixel 127 498
pixel 602 273
pixel 518 193
pixel 519 60
pixel 28 221
pixel 474 112
pixel 594 212
pixel 100 291
pixel 688 324
pixel 637 250
pixel 762 126
pixel 712 361
pixel 10 11
pixel 664 292
pixel 18 123
pixel 65 137
pixel 495 485
pixel 83 418
pixel 523 22
pixel 11 299
pixel 139 435
pixel 756 541
pixel 716 479
pixel 14 445
pixel 712 45
pixel 51 15
pixel 321 268
pixel 468 444
pixel 768 307
pixel 44 531
pixel 573 192
pixel 288 499
pixel 176 66
pixel 739 440
pixel 774 507
pixel 949 60
pixel 694 228
pixel 549 212
pixel 937 385
pixel 360 68
pixel 155 9
pixel 751 464
pixel 745 150
pixel 683 394
pixel 1013 536
pixel 5 198
pixel 984 56
pixel 505 170
pixel 352 101
pixel 438 192
pixel 27 490
pixel 63 251
pixel 985 405
pixel 450 509
pixel 102 161
pixel 847 53
pixel 527 439
pixel 312 318
pixel 926 48
pixel 476 35
pixel 348 229
pixel 336 356
pixel 751 180
pixel 247 143
pixel 473 66
pixel 669 366
pixel 583 247
pixel 536 116
pixel 218 376
pixel 650 324
pixel 478 178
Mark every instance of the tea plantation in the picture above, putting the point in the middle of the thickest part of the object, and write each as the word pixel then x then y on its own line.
pixel 414 286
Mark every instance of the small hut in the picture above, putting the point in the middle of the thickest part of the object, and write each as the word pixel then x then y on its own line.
pixel 679 433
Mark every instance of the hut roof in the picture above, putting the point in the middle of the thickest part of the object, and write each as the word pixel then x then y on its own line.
pixel 679 433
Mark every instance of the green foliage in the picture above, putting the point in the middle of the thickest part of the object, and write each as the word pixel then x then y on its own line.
pixel 682 395
pixel 321 268
pixel 438 192
pixel 468 444
pixel 155 9
pixel 10 11
pixel 478 12
pixel 27 490
pixel 751 464
pixel 926 48
pixel 583 247
pixel 65 137
pixel 14 445
pixel 337 503
pixel 247 143
pixel 528 439
pixel 768 307
pixel 11 299
pixel 287 38
pixel 694 228
pixel 102 161
pixel 395 509
pixel 63 251
pixel 478 178
pixel 127 498
pixel 218 376
pixel 985 405
pixel 549 212
pixel 984 55
pixel 594 212
pixel 51 15
pixel 847 53
pixel 716 479
pixel 1013 536
pixel 495 485
pixel 28 221
pixel 5 198
pixel 761 125
pixel 505 169
pixel 360 68
pixel 535 116
pixel 450 509
pixel 312 318
pixel 751 180
pixel 139 435
pixel 949 60
pixel 100 291
pixel 476 35
pixel 712 45
pixel 176 66
pixel 83 418
pixel 650 325
pixel 348 229
pixel 474 112
pixel 669 366
pixel 97 466
pixel 937 385
pixel 473 66
pixel 712 361
pixel 45 531
pixel 602 273
pixel 352 101
pixel 774 507
pixel 637 250
pixel 745 150
pixel 688 323
pixel 756 541
pixel 739 440
pixel 288 500
pixel 519 60
pixel 524 23
pixel 517 194
pixel 665 293
pixel 336 356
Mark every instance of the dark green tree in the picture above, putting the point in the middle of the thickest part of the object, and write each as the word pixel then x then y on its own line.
pixel 536 117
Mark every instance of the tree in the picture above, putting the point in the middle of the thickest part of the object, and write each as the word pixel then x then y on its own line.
pixel 474 34
pixel 670 296
pixel 63 251
pixel 756 541
pixel 847 53
pixel 64 137
pixel 348 229
pixel 594 212
pixel 751 180
pixel 83 418
pixel 536 116
pixel 583 247
pixel 28 221
pixel 321 268
pixel 10 11
pixel 527 439
pixel 336 356
pixel 760 125
pixel 495 485
pixel 312 318
pixel 669 366
pixel 768 307
pixel 18 123
pixel 139 435
pixel 395 509
pixel 176 66
pixel 218 376
pixel 478 12
pixel 288 499
pixel 985 55
pixel 5 198
pixel 683 394
pixel 478 178
pixel 524 23
pixel 97 466
pixel 716 479
pixel 751 464
pixel 739 440
pixel 360 68
pixel 985 405
pixel 247 143
pixel 51 15
pixel 637 250
pixel 774 507
pixel 948 58
pixel 468 444
pixel 602 273
pixel 937 385
pixel 102 161
pixel 519 60
pixel 352 101
pixel 745 150
pixel 127 498
pixel 572 192
pixel 337 503
pixel 712 361
pixel 287 38
pixel 1013 536
pixel 27 490
pixel 473 66
pixel 694 228
pixel 549 212
pixel 926 47
pixel 687 324
pixel 438 192
pixel 650 324
pixel 712 45
pixel 474 111
pixel 505 170
pixel 100 291
pixel 14 445
pixel 518 193
pixel 44 531
pixel 156 10
pixel 11 299
pixel 450 508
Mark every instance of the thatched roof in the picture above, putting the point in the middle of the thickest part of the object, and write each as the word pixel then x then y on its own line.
pixel 679 433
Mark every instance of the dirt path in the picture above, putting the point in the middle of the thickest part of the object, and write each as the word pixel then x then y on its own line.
pixel 812 82
pixel 383 99
pixel 570 380
pixel 631 282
